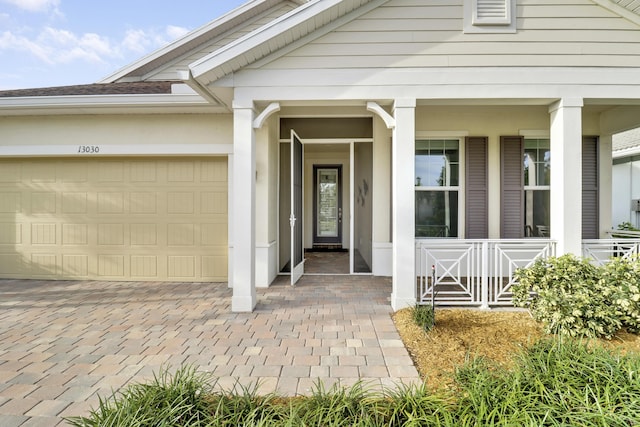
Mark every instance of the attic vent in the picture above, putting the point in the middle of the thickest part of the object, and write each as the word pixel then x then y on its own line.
pixel 491 12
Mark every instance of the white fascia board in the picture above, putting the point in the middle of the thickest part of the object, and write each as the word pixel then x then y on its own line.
pixel 211 26
pixel 259 37
pixel 53 103
pixel 619 10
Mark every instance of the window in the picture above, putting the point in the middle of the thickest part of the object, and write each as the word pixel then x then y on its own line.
pixel 525 173
pixel 537 187
pixel 437 171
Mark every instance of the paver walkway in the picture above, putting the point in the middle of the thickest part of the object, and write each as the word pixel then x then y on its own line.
pixel 64 343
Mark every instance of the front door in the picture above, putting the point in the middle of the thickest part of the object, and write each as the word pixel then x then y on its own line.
pixel 327 206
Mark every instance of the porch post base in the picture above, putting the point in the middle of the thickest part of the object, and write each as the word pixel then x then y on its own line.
pixel 243 304
pixel 398 303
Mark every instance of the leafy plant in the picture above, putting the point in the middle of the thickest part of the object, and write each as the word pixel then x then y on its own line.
pixel 424 316
pixel 620 280
pixel 566 294
pixel 627 226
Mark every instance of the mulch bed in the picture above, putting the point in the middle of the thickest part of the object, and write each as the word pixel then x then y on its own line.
pixel 460 334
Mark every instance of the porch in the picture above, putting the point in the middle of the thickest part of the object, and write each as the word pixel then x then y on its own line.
pixel 480 272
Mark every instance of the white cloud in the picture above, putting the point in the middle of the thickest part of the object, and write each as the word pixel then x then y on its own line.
pixel 60 46
pixel 136 41
pixel 34 5
pixel 142 41
pixel 10 41
pixel 56 46
pixel 64 46
pixel 175 32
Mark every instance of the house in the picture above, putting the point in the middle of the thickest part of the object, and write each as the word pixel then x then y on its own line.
pixel 421 128
pixel 626 178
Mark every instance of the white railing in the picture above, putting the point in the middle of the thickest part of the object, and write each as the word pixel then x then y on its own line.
pixel 474 272
pixel 602 250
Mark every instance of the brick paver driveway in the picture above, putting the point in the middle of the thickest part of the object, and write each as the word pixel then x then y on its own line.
pixel 64 343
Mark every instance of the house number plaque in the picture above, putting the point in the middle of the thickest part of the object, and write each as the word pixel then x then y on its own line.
pixel 88 149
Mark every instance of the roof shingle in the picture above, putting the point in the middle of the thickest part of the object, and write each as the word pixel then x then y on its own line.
pixel 128 88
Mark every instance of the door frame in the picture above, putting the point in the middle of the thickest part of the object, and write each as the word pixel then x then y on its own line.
pixel 337 240
pixel 326 141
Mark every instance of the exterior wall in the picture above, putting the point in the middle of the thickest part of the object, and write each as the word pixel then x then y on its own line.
pixel 168 72
pixel 492 122
pixel 382 246
pixel 144 131
pixel 429 34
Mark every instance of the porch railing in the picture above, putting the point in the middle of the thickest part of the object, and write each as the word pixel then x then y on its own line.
pixel 481 272
pixel 602 250
pixel 474 272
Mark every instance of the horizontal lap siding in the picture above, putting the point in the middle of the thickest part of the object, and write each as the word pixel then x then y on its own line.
pixel 404 33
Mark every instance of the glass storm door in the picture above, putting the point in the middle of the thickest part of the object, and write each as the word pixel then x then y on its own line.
pixel 295 219
pixel 327 216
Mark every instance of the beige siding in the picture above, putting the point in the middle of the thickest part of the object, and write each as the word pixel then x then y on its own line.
pixel 114 219
pixel 411 33
pixel 168 71
pixel 110 130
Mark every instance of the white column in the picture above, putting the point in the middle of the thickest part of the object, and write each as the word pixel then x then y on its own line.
pixel 403 210
pixel 230 217
pixel 566 175
pixel 244 209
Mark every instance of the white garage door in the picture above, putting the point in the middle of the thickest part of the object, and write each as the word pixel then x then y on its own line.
pixel 114 219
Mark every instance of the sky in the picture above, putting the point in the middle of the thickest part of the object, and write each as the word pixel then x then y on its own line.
pixel 47 43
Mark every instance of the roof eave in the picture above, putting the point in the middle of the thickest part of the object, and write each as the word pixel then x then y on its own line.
pixel 619 10
pixel 260 43
pixel 113 104
pixel 238 13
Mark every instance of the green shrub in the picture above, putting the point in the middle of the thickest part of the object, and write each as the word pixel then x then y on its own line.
pixel 568 297
pixel 620 280
pixel 424 316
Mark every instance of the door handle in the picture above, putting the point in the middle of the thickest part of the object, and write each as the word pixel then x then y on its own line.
pixel 339 214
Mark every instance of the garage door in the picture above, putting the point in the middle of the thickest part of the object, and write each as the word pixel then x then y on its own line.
pixel 114 219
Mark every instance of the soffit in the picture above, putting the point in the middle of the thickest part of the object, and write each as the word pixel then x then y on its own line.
pixel 630 5
pixel 628 9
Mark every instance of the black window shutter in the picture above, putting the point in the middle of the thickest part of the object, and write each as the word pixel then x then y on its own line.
pixel 476 200
pixel 590 205
pixel 512 187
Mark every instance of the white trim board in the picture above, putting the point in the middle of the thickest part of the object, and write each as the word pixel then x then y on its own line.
pixel 101 150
